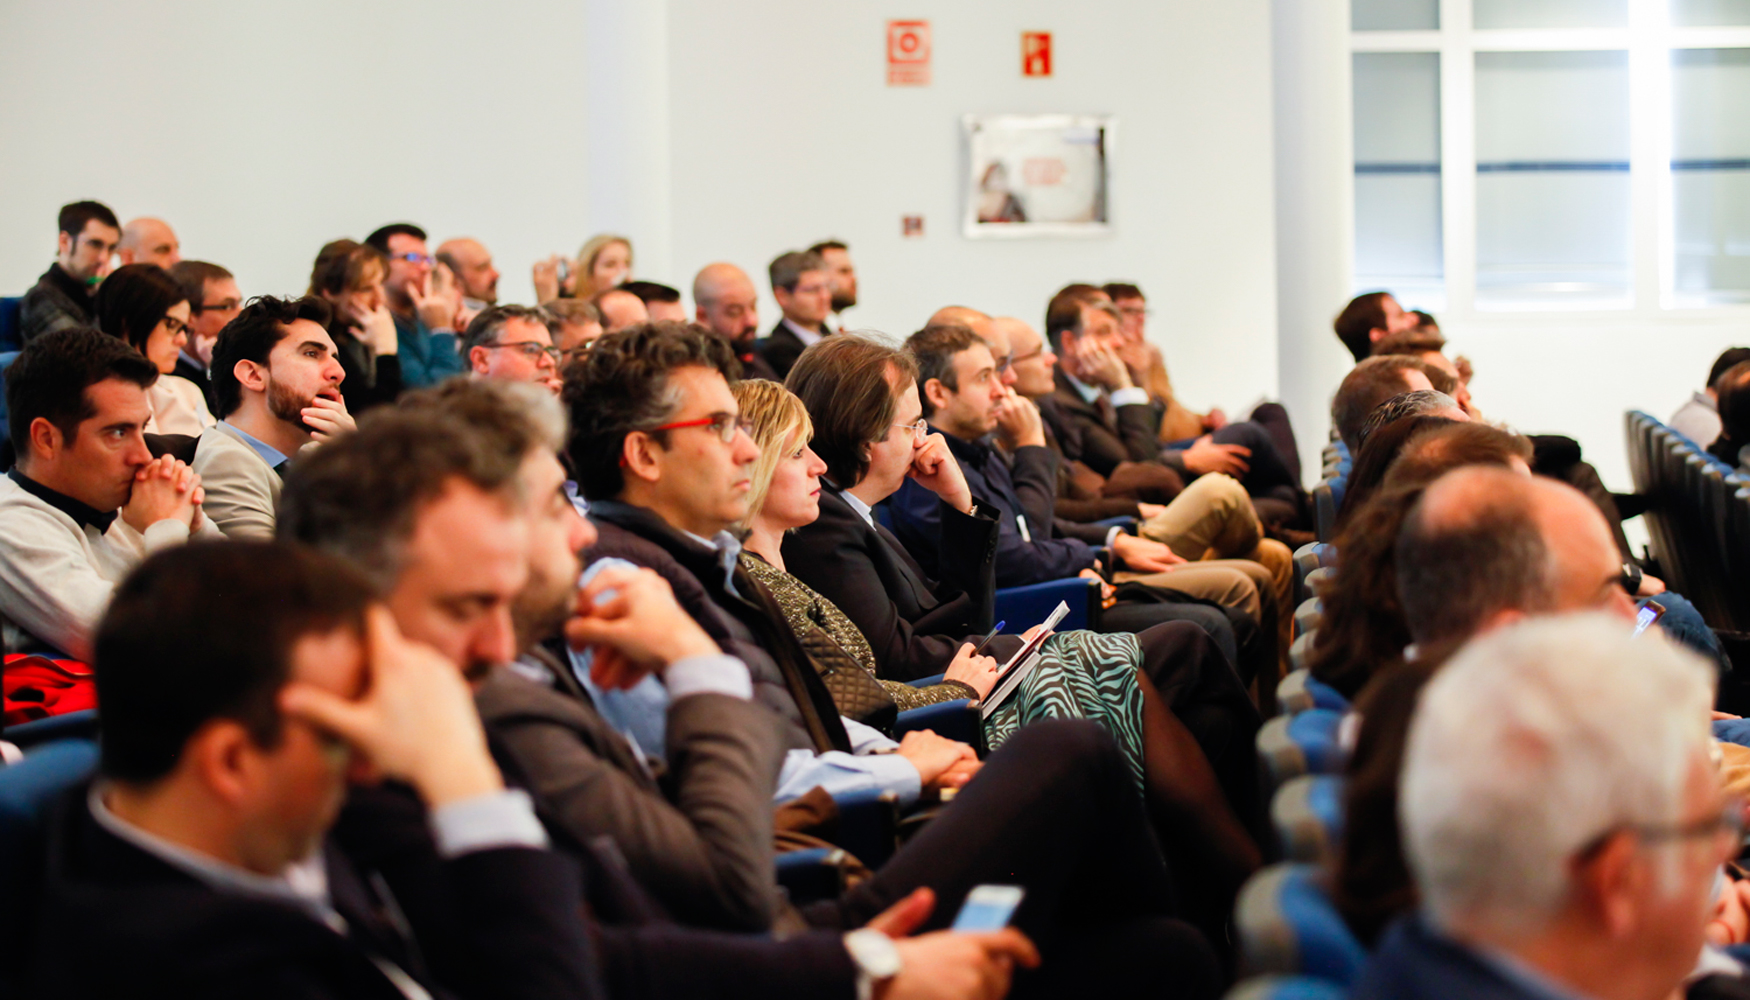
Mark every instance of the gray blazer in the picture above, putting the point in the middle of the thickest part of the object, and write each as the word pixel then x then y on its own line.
pixel 697 834
pixel 242 489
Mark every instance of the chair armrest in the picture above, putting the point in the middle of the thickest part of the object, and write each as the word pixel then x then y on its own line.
pixel 924 682
pixel 72 725
pixel 959 720
pixel 868 825
pixel 811 875
pixel 1124 521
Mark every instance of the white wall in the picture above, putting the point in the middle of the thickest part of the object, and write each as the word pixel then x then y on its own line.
pixel 263 130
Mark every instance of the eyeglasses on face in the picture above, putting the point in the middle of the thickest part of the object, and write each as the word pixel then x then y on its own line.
pixel 531 349
pixel 1727 826
pixel 919 430
pixel 225 305
pixel 414 258
pixel 724 425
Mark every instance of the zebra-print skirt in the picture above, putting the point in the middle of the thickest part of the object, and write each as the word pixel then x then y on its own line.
pixel 1080 675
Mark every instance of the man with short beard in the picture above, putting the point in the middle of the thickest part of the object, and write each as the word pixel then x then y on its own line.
pixel 277 380
pixel 844 276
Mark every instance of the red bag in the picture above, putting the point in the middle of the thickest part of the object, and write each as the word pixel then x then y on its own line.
pixel 37 687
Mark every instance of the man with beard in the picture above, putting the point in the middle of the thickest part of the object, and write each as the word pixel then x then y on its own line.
pixel 277 381
pixel 84 254
pixel 726 303
pixel 471 263
pixel 843 274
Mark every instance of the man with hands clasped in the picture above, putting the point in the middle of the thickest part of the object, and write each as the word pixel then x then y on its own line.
pixel 86 501
pixel 277 377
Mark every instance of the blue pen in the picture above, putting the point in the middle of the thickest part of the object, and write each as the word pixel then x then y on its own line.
pixel 988 637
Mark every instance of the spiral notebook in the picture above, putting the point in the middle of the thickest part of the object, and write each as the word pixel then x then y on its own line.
pixel 1022 663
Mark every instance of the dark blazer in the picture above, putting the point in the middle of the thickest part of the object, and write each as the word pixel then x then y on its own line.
pixel 754 364
pixel 914 624
pixel 368 379
pixel 1038 556
pixel 1099 440
pixel 57 301
pixel 198 375
pixel 1415 962
pixel 747 623
pixel 697 833
pixel 781 348
pixel 511 918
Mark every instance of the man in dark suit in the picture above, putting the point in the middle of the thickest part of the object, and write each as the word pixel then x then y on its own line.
pixel 1101 417
pixel 1562 820
pixel 85 251
pixel 197 862
pixel 803 287
pixel 426 497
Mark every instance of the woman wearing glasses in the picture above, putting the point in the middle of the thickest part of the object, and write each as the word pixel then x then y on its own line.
pixel 349 276
pixel 143 305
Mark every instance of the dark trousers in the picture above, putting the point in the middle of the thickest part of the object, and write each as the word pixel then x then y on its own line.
pixel 1055 810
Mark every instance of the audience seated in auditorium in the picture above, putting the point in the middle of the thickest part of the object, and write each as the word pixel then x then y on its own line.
pixel 1734 393
pixel 962 400
pixel 426 303
pixel 213 301
pixel 1562 819
pixel 84 254
pixel 574 324
pixel 1371 382
pixel 619 309
pixel 149 241
pixel 1386 443
pixel 86 501
pixel 142 305
pixel 837 257
pixel 513 343
pixel 349 276
pixel 471 263
pixel 726 303
pixel 200 854
pixel 1427 346
pixel 803 287
pixel 662 303
pixel 278 380
pixel 1408 405
pixel 1370 318
pixel 1699 418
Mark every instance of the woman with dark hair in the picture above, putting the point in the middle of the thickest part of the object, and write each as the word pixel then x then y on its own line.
pixel 1198 724
pixel 1376 456
pixel 348 275
pixel 144 306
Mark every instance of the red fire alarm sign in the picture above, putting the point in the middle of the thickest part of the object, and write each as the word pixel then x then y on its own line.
pixel 1035 53
pixel 908 53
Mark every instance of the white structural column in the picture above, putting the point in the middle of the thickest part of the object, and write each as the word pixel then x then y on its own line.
pixel 626 121
pixel 1315 210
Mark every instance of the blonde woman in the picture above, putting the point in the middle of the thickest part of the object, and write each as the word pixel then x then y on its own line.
pixel 1081 675
pixel 604 262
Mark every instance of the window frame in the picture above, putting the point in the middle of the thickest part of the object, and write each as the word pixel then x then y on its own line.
pixel 1648 39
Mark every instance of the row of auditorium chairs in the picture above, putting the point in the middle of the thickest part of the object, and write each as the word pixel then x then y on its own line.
pixel 1698 520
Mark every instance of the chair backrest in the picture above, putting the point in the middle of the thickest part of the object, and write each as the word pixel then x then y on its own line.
pixel 6 359
pixel 11 337
pixel 1324 511
pixel 1307 616
pixel 1308 815
pixel 1288 926
pixel 1300 651
pixel 27 789
pixel 1287 988
pixel 80 725
pixel 1303 743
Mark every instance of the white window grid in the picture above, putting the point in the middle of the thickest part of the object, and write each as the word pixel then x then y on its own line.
pixel 1648 39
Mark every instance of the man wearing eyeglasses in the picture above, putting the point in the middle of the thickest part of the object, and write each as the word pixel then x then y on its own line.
pixel 84 254
pixel 1562 821
pixel 426 301
pixel 213 301
pixel 513 343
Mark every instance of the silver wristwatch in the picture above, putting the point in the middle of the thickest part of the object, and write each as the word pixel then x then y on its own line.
pixel 876 957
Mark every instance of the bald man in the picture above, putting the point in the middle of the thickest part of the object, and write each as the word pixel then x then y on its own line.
pixel 620 309
pixel 726 302
pixel 966 316
pixel 149 241
pixel 471 263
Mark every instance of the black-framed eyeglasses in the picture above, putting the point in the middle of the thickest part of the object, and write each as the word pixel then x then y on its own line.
pixel 224 306
pixel 1727 824
pixel 724 425
pixel 531 349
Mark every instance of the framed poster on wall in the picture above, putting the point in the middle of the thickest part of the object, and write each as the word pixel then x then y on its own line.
pixel 1037 175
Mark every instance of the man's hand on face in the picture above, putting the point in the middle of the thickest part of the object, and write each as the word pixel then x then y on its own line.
pixel 1018 422
pixel 948 965
pixel 933 467
pixel 1144 555
pixel 327 418
pixel 1205 456
pixel 941 762
pixel 415 721
pixel 437 299
pixel 1102 365
pixel 164 489
pixel 632 621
